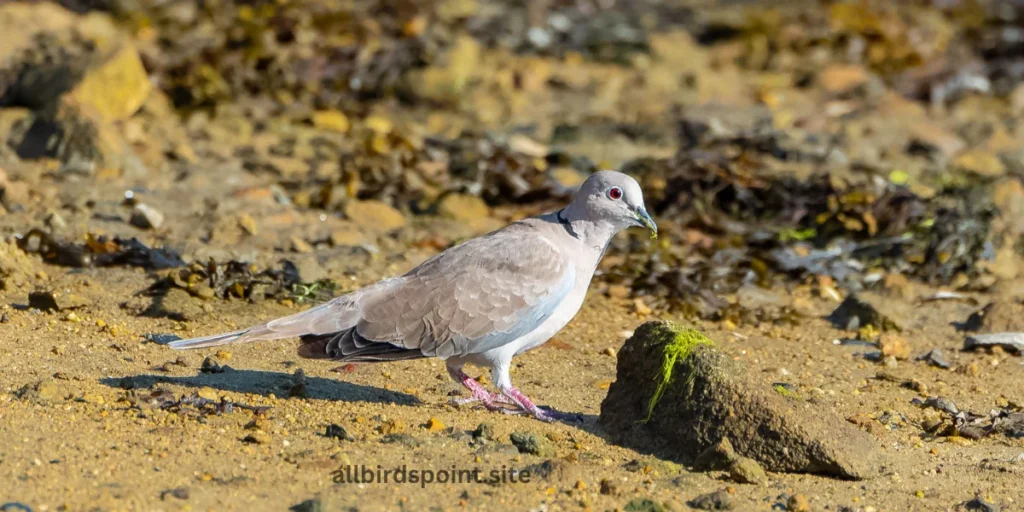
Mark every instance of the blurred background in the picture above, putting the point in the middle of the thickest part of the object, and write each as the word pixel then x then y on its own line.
pixel 838 186
pixel 840 141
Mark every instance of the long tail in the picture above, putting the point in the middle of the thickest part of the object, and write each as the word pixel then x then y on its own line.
pixel 215 340
pixel 316 320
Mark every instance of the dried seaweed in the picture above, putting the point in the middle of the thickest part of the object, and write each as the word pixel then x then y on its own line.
pixel 1007 420
pixel 98 252
pixel 735 223
pixel 239 280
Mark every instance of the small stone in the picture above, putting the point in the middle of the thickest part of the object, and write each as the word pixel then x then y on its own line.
pixel 434 425
pixel 609 352
pixel 332 120
pixel 531 444
pixel 211 366
pixel 347 238
pixel 310 505
pixel 798 503
pixel 146 217
pixel 301 246
pixel 180 493
pixel 374 216
pixel 257 437
pixel 483 431
pixel 223 355
pixel 718 456
pixel 336 431
pixel 52 301
pixel 996 341
pixel 55 221
pixel 745 470
pixel 980 162
pixel 248 224
pixel 618 291
pixel 463 207
pixel 935 358
pixel 843 78
pixel 298 387
pixel 718 500
pixel 917 386
pixel 894 345
pixel 608 488
pixel 640 307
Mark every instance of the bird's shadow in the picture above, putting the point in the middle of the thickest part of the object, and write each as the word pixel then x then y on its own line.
pixel 265 383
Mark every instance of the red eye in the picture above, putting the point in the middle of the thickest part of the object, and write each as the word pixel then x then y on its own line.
pixel 615 193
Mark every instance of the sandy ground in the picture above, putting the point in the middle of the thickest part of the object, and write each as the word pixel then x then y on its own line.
pixel 84 447
pixel 271 175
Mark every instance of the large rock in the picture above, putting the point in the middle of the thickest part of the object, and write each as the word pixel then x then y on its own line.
pixel 676 395
pixel 78 76
pixel 115 89
pixel 22 24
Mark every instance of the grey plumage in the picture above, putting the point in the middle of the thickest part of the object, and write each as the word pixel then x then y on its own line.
pixel 481 302
pixel 480 294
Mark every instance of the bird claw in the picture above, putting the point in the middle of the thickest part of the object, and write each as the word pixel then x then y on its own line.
pixel 488 400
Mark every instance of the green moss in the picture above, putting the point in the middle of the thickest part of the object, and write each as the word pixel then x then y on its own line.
pixel 782 390
pixel 797 235
pixel 680 343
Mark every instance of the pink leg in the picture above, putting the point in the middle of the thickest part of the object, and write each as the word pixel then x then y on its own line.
pixel 477 391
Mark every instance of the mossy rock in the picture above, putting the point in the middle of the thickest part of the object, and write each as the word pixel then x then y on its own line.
pixel 676 394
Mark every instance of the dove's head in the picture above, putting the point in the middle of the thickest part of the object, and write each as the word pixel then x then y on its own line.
pixel 615 198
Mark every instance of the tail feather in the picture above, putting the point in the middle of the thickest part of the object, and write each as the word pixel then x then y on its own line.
pixel 326 317
pixel 258 333
pixel 215 340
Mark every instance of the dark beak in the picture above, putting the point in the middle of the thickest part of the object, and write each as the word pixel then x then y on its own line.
pixel 644 219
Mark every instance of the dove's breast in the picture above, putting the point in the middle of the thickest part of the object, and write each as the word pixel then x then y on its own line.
pixel 566 310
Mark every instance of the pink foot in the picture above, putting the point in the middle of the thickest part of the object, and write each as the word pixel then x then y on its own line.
pixel 541 413
pixel 478 392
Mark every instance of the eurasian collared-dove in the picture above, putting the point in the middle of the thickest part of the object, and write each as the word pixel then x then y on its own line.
pixel 480 302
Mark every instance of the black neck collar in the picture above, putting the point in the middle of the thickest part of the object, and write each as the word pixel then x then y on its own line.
pixel 565 223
